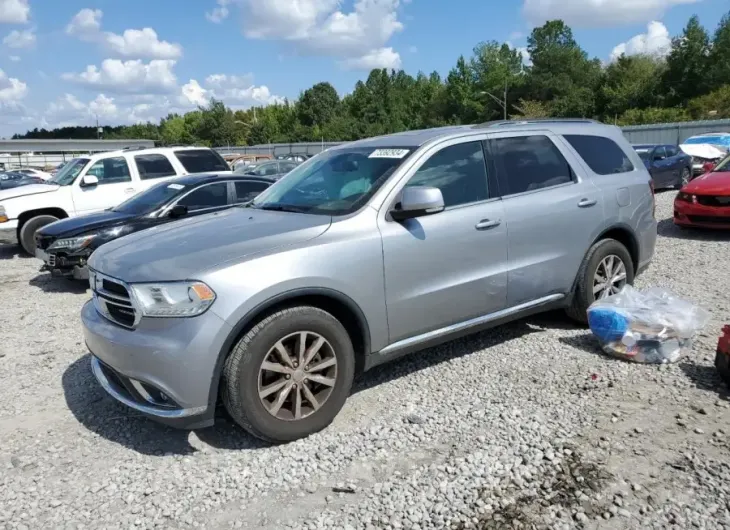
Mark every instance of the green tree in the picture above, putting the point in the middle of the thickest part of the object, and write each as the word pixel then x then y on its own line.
pixel 497 71
pixel 653 115
pixel 718 60
pixel 462 101
pixel 217 125
pixel 317 105
pixel 561 72
pixel 630 82
pixel 687 63
pixel 715 105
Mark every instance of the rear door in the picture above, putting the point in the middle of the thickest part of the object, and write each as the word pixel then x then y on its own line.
pixel 551 207
pixel 663 167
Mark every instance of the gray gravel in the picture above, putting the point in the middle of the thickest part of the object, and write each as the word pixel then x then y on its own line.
pixel 528 425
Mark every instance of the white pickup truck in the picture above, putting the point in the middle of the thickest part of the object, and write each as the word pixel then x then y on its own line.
pixel 93 183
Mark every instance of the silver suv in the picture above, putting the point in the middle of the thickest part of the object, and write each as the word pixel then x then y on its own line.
pixel 364 253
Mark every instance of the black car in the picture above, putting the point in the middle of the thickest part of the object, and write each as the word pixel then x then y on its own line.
pixel 66 245
pixel 11 179
pixel 274 169
pixel 668 165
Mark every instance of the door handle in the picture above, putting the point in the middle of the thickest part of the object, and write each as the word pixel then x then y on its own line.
pixel 586 203
pixel 486 224
pixel 129 190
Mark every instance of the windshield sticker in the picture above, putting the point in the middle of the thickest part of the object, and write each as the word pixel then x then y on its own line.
pixel 389 153
pixel 176 186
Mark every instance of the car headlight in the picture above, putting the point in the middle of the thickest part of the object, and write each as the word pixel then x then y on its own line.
pixel 174 299
pixel 72 243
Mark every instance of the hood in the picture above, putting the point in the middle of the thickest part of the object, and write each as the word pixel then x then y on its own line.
pixel 29 189
pixel 84 223
pixel 707 151
pixel 713 183
pixel 185 249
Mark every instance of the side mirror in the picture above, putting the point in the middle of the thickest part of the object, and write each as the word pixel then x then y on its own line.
pixel 178 210
pixel 89 180
pixel 418 201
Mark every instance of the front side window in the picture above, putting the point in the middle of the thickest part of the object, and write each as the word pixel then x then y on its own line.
pixel 111 170
pixel 201 160
pixel 150 199
pixel 208 196
pixel 458 171
pixel 338 181
pixel 530 163
pixel 153 166
pixel 246 191
pixel 70 170
pixel 672 151
pixel 264 170
pixel 660 153
pixel 602 154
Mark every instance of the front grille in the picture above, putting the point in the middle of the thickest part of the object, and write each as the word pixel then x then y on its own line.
pixel 710 219
pixel 112 299
pixel 711 200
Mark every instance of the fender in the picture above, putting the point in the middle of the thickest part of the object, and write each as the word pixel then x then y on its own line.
pixel 249 318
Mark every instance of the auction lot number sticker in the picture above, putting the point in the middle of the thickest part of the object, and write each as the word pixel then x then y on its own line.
pixel 389 153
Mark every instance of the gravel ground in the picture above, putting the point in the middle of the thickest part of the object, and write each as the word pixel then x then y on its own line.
pixel 528 425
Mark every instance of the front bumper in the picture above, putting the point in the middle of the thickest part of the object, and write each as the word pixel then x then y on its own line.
pixel 60 264
pixel 9 232
pixel 698 215
pixel 163 368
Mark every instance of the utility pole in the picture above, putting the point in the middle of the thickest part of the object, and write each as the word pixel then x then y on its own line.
pixel 502 102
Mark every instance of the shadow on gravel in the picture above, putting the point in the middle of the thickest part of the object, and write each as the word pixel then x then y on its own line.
pixel 589 344
pixel 667 228
pixel 50 284
pixel 705 378
pixel 99 413
pixel 11 251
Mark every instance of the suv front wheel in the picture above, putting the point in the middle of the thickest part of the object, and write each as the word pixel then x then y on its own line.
pixel 290 375
pixel 606 268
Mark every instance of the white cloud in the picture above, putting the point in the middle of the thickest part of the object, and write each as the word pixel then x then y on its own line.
pixel 132 43
pixel 86 24
pixel 69 110
pixel 319 27
pixel 235 91
pixel 656 41
pixel 128 76
pixel 594 13
pixel 20 39
pixel 14 11
pixel 194 94
pixel 12 90
pixel 380 58
pixel 219 13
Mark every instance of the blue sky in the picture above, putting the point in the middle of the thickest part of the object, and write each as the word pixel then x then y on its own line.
pixel 68 61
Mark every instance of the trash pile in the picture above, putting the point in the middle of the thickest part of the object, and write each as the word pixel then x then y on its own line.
pixel 652 326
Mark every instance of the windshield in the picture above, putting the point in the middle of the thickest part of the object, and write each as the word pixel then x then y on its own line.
pixel 150 199
pixel 724 165
pixel 643 152
pixel 712 140
pixel 259 170
pixel 69 172
pixel 336 182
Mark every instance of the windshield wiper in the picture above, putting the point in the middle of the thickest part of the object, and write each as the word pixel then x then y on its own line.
pixel 282 208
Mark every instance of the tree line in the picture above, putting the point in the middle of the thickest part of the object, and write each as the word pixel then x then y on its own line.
pixel 692 82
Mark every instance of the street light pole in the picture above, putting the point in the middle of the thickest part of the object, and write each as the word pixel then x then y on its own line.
pixel 502 102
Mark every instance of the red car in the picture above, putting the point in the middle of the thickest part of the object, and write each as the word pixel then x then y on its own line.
pixel 705 201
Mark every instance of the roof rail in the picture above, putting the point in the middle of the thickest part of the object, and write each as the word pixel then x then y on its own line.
pixel 502 123
pixel 135 148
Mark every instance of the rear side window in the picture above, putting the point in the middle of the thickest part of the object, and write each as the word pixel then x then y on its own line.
pixel 208 196
pixel 201 160
pixel 602 154
pixel 672 151
pixel 529 163
pixel 458 171
pixel 246 191
pixel 153 166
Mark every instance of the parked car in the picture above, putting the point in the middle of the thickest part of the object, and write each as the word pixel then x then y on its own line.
pixel 93 183
pixel 708 148
pixel 58 168
pixel 65 245
pixel 272 169
pixel 668 166
pixel 705 202
pixel 11 179
pixel 367 252
pixel 33 172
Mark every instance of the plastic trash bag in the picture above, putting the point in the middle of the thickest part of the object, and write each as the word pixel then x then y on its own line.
pixel 650 326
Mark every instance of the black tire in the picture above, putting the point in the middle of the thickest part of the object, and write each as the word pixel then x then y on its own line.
pixel 241 372
pixel 26 235
pixel 583 296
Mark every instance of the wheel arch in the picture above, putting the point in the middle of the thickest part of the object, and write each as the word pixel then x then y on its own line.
pixel 30 214
pixel 341 306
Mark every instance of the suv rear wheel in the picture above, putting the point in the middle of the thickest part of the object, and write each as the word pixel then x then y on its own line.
pixel 26 234
pixel 290 375
pixel 606 268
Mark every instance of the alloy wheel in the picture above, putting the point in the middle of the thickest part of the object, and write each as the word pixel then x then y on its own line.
pixel 685 176
pixel 610 277
pixel 297 376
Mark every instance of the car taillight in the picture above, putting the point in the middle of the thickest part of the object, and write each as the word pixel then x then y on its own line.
pixel 653 199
